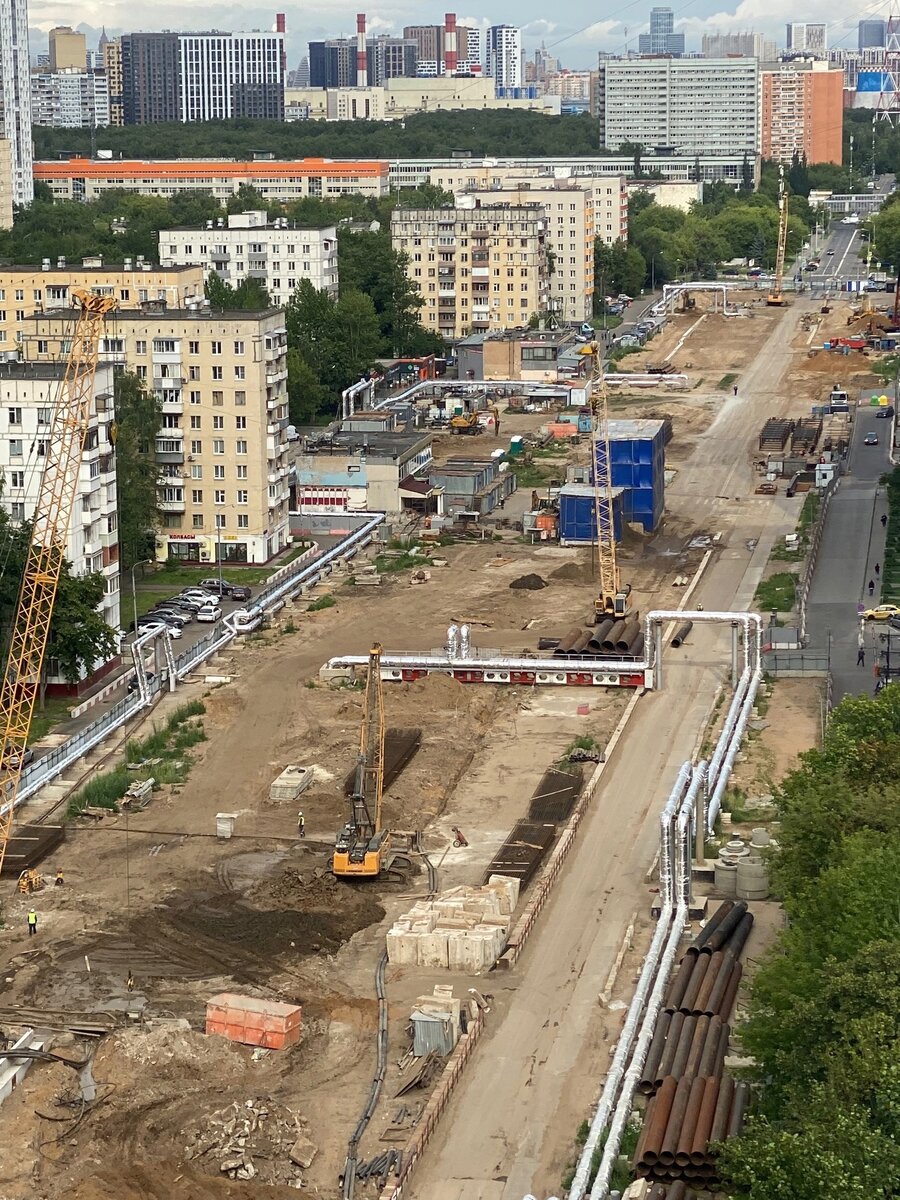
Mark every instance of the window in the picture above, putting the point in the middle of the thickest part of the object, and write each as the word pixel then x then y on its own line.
pixel 220 520
pixel 141 372
pixel 43 345
pixel 240 399
pixel 42 448
pixel 243 521
pixel 17 479
pixel 196 521
pixel 195 397
pixel 218 422
pixel 15 447
pixel 240 372
pixel 240 446
pixel 219 496
pixel 193 347
pixel 140 347
pixel 196 495
pixel 242 472
pixel 240 422
pixel 239 347
pixel 218 472
pixel 218 445
pixel 196 447
pixel 163 346
pixel 217 372
pixel 20 294
pixel 194 373
pixel 196 471
pixel 15 416
pixel 17 510
pixel 195 422
pixel 44 416
pixel 216 347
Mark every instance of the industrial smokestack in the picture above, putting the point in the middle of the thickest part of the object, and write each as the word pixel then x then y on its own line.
pixel 450 54
pixel 281 27
pixel 362 68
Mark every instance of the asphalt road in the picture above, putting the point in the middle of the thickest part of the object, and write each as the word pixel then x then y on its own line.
pixel 511 1124
pixel 852 543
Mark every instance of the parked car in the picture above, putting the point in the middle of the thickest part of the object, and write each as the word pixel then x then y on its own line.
pixel 871 439
pixel 133 684
pixel 239 591
pixel 176 615
pixel 160 625
pixel 12 759
pixel 211 613
pixel 884 413
pixel 218 587
pixel 197 593
pixel 882 612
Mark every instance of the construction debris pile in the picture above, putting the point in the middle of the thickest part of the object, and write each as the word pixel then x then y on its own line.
pixel 462 929
pixel 258 1139
pixel 694 1103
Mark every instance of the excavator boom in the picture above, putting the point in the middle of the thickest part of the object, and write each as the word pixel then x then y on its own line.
pixel 611 598
pixel 43 566
pixel 359 845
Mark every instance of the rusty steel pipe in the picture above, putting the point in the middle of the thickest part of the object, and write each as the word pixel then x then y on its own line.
pixel 647 1084
pixel 701 1033
pixel 681 634
pixel 683 1049
pixel 738 939
pixel 636 649
pixel 678 1191
pixel 720 984
pixel 668 1055
pixel 701 1004
pixel 580 643
pixel 700 1140
pixel 738 1108
pixel 701 966
pixel 731 991
pixel 719 1125
pixel 692 1112
pixel 631 630
pixel 679 984
pixel 568 640
pixel 599 633
pixel 710 927
pixel 676 1120
pixel 725 928
pixel 609 642
pixel 656 1122
pixel 708 1058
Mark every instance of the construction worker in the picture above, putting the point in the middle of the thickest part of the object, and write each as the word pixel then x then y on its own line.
pixel 32 922
pixel 129 982
pixel 60 882
pixel 301 824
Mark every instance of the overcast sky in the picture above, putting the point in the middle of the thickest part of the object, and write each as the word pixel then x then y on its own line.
pixel 575 37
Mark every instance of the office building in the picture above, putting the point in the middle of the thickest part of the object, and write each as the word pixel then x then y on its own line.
pixel 69 99
pixel 15 96
pixel 201 76
pixel 111 54
pixel 221 378
pixel 747 45
pixel 801 111
pixel 250 246
pixel 476 268
pixel 871 34
pixel 32 288
pixel 578 209
pixel 300 77
pixel 808 37
pixel 662 38
pixel 68 49
pixel 29 393
pixel 6 192
pixel 390 58
pixel 690 106
pixel 332 63
pixel 85 179
pixel 503 56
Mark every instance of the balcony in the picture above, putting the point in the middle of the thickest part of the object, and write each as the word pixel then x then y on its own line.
pixel 171 506
pixel 481 272
pixel 446 291
pixel 168 383
pixel 274 377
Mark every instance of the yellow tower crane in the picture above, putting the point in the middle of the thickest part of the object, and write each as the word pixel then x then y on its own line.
pixel 40 581
pixel 776 298
pixel 361 844
pixel 612 599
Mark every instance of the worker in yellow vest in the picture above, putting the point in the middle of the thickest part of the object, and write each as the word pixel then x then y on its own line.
pixel 32 922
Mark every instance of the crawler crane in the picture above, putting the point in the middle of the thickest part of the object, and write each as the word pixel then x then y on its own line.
pixel 775 298
pixel 612 600
pixel 361 846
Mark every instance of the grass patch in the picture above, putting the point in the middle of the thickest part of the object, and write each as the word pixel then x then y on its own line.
pixel 147 598
pixel 533 475
pixel 169 742
pixel 55 710
pixel 580 743
pixel 386 564
pixel 778 593
pixel 726 382
pixel 176 576
pixel 322 602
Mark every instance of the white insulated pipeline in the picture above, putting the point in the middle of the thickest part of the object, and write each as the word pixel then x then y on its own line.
pixel 731 720
pixel 715 801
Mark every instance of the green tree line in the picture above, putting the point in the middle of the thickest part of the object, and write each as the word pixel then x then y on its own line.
pixel 824 1016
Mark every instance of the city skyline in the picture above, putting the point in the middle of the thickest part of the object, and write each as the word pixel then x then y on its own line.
pixel 576 39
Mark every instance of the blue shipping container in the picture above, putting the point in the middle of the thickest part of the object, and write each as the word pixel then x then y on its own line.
pixel 638 464
pixel 577 521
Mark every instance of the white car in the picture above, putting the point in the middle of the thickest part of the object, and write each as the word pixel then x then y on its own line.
pixel 159 627
pixel 210 613
pixel 197 594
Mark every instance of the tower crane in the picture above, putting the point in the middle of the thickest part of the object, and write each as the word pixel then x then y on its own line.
pixel 776 298
pixel 612 600
pixel 46 554
pixel 360 846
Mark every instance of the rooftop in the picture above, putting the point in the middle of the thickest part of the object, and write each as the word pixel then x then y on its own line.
pixel 532 336
pixel 95 264
pixel 374 445
pixel 157 308
pixel 634 427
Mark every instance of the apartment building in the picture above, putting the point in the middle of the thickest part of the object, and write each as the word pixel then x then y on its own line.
pixel 577 211
pixel 691 106
pixel 221 378
pixel 6 185
pixel 28 289
pixel 15 96
pixel 749 45
pixel 69 99
pixel 86 179
pixel 29 393
pixel 810 37
pixel 801 111
pixel 249 245
pixel 111 56
pixel 503 60
pixel 68 49
pixel 477 268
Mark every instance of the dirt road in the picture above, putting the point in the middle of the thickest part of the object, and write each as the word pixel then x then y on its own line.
pixel 511 1125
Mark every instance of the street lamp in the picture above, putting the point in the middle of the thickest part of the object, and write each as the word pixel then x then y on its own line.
pixel 147 562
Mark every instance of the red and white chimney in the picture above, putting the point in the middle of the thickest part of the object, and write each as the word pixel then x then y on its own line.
pixel 281 27
pixel 362 66
pixel 450 54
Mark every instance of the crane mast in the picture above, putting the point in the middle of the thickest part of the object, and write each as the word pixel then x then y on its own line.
pixel 46 554
pixel 776 296
pixel 359 846
pixel 611 599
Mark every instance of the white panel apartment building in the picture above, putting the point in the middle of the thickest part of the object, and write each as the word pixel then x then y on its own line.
pixel 69 99
pixel 222 450
pixel 576 210
pixel 15 95
pixel 29 393
pixel 276 253
pixel 503 55
pixel 695 106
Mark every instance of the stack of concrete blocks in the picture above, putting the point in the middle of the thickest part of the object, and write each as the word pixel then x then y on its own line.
pixel 292 781
pixel 463 929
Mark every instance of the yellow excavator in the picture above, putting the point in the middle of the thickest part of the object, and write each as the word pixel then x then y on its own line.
pixel 46 554
pixel 360 848
pixel 467 421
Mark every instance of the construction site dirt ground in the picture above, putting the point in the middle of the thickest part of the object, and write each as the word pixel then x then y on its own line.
pixel 157 895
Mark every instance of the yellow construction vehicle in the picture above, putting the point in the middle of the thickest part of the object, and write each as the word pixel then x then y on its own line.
pixel 359 850
pixel 465 422
pixel 40 580
pixel 612 599
pixel 775 298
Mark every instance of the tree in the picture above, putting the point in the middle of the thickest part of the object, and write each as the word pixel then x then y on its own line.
pixel 369 264
pixel 248 199
pixel 887 234
pixel 250 295
pixel 617 268
pixel 746 175
pixel 307 399
pixel 138 421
